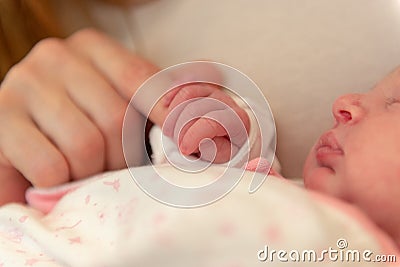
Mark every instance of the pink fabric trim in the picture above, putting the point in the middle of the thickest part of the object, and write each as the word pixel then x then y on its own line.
pixel 261 165
pixel 45 199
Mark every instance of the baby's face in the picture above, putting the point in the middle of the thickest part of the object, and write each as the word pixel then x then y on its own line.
pixel 358 160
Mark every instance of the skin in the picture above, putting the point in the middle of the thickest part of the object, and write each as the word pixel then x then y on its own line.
pixel 52 105
pixel 358 159
pixel 62 109
pixel 192 133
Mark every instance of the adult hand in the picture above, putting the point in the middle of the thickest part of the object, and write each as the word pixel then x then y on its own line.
pixel 61 111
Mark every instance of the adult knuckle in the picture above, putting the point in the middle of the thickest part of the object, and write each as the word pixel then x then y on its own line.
pixel 27 76
pixel 54 101
pixel 21 72
pixel 89 146
pixel 86 35
pixel 50 53
pixel 43 173
pixel 114 121
pixel 7 116
pixel 19 84
pixel 48 46
pixel 4 115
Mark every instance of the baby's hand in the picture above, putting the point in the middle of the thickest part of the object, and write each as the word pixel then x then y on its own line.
pixel 202 111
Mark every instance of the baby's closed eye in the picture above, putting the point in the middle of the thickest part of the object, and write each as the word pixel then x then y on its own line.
pixel 391 100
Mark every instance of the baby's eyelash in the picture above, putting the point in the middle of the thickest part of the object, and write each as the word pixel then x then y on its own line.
pixel 391 100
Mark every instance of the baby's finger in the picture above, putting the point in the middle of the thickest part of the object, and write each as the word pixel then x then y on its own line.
pixel 190 91
pixel 169 96
pixel 169 126
pixel 217 150
pixel 194 109
pixel 194 73
pixel 225 98
pixel 202 129
pixel 184 96
pixel 181 130
pixel 216 123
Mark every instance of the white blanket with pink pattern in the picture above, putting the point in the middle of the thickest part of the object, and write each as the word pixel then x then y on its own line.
pixel 108 221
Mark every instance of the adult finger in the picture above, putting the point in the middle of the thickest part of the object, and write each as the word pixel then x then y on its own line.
pixel 71 131
pixel 58 118
pixel 125 70
pixel 26 150
pixel 13 184
pixel 89 91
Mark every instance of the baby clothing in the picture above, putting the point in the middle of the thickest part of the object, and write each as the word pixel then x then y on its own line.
pixel 108 220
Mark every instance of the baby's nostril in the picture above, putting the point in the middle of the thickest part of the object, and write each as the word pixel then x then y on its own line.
pixel 346 115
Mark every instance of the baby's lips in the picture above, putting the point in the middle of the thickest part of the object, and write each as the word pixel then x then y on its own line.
pixel 328 142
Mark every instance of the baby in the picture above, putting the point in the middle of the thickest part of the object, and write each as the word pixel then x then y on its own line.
pixel 358 159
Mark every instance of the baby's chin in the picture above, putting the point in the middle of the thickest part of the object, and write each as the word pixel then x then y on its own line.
pixel 325 181
pixel 318 179
pixel 321 179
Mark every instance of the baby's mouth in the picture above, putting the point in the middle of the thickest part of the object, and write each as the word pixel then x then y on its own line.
pixel 327 150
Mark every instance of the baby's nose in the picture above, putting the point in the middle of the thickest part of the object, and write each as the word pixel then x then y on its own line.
pixel 347 109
